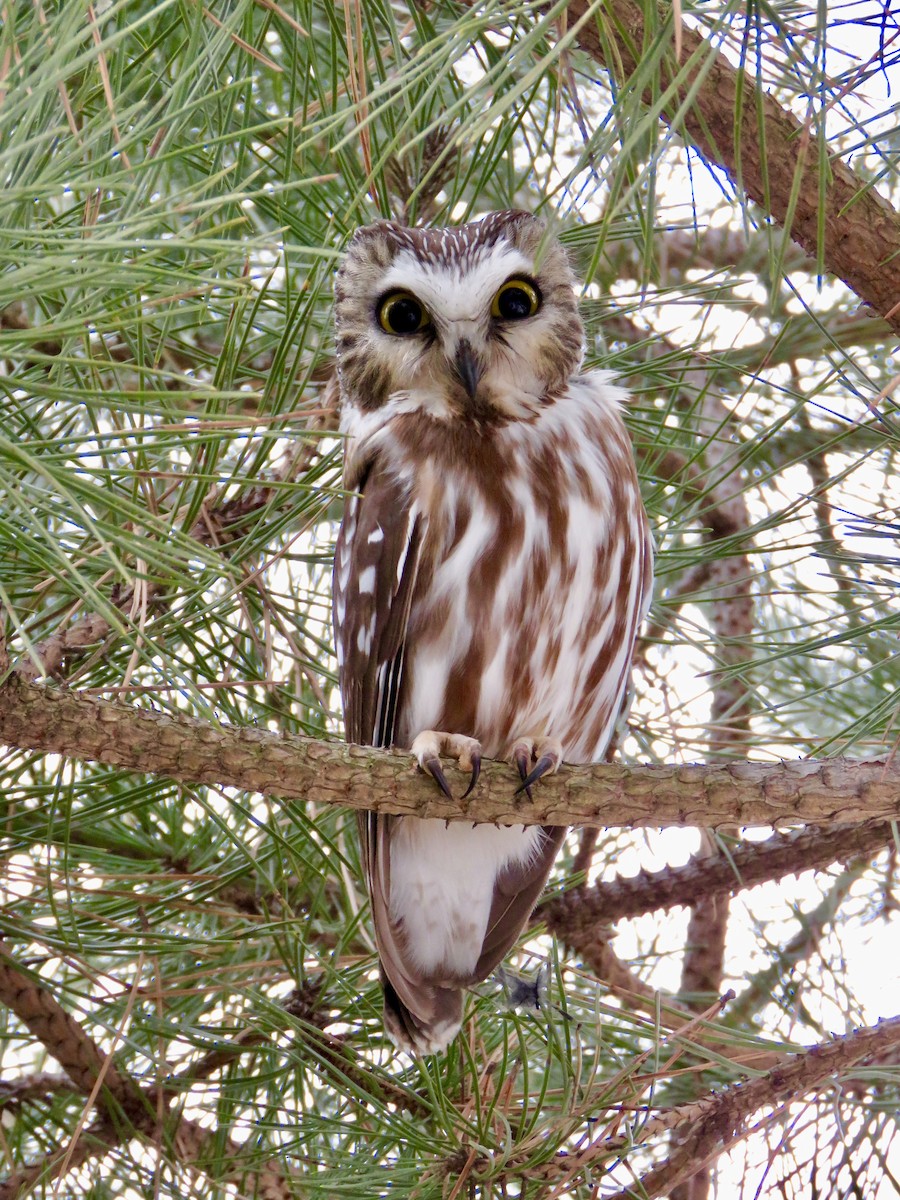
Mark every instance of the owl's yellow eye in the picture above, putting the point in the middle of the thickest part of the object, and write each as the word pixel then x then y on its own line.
pixel 517 299
pixel 401 313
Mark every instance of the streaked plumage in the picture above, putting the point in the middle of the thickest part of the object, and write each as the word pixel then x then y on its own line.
pixel 489 578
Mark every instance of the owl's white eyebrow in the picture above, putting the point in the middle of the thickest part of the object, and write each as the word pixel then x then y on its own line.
pixel 455 291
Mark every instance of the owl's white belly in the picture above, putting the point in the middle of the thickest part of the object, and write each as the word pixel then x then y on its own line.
pixel 442 884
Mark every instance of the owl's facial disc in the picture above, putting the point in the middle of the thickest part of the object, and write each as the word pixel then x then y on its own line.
pixel 516 300
pixel 468 322
pixel 467 336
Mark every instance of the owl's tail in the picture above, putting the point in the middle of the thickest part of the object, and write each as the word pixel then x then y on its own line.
pixel 434 1024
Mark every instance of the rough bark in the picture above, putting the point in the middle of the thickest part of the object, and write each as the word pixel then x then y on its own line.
pixel 753 863
pixel 49 719
pixel 76 1052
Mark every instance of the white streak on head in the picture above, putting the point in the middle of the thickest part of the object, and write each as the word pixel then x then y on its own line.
pixel 452 293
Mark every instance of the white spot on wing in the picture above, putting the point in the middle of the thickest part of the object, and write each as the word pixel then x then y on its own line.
pixel 401 558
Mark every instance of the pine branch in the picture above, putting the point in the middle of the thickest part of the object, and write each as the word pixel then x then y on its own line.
pixel 63 1038
pixel 765 150
pixel 755 862
pixel 772 982
pixel 221 520
pixel 45 718
pixel 29 1089
pixel 202 1150
pixel 95 1141
pixel 719 1119
pixel 206 1152
pixel 86 1064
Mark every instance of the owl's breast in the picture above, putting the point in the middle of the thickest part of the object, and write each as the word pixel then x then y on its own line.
pixel 518 622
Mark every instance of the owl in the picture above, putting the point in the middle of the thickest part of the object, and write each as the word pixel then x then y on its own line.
pixel 491 572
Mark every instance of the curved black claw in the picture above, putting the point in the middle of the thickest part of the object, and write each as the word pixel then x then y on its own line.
pixel 545 763
pixel 522 759
pixel 476 771
pixel 436 771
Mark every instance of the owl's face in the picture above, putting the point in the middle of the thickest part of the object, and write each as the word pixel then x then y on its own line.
pixel 476 320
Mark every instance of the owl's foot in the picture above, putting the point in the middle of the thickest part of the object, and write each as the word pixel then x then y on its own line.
pixel 545 753
pixel 430 744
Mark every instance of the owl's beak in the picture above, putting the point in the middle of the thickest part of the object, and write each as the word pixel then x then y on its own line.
pixel 468 367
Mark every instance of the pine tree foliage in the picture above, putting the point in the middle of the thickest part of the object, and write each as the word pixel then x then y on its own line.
pixel 190 1000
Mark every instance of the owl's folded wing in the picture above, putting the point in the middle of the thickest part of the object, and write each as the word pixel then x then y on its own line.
pixel 376 560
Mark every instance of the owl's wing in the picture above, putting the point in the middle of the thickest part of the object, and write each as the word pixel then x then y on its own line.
pixel 375 565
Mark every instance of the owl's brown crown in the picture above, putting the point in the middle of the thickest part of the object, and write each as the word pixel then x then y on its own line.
pixel 449 245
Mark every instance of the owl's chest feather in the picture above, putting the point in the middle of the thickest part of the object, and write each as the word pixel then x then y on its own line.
pixel 519 559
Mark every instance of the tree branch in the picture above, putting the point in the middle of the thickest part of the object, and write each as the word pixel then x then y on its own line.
pixel 221 520
pixel 765 150
pixel 77 1053
pixel 719 1120
pixel 50 719
pixel 85 1063
pixel 95 1141
pixel 747 865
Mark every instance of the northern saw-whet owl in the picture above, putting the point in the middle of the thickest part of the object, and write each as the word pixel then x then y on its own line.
pixel 491 572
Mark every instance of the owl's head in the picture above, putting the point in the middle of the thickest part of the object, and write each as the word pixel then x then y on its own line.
pixel 476 320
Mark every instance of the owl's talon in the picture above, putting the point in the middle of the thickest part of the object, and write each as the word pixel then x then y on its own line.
pixel 548 753
pixel 430 744
pixel 436 771
pixel 476 771
pixel 547 762
pixel 522 757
